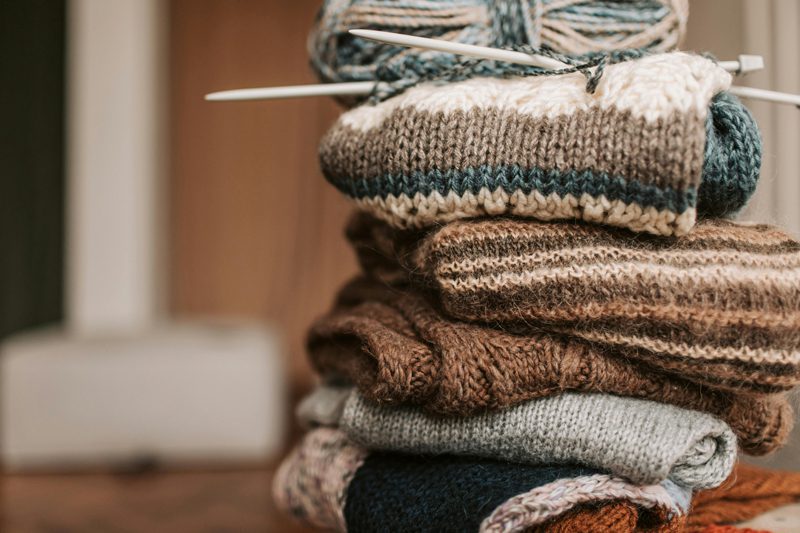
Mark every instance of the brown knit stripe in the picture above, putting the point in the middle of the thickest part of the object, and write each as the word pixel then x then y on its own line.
pixel 461 267
pixel 487 295
pixel 502 236
pixel 665 153
pixel 694 318
pixel 706 352
pixel 688 324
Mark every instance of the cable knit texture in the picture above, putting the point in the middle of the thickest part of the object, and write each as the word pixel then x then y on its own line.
pixel 656 142
pixel 643 441
pixel 399 349
pixel 727 294
pixel 395 492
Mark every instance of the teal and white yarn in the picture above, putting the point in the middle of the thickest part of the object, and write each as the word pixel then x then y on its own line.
pixel 570 27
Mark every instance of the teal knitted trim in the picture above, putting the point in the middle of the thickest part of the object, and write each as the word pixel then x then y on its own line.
pixel 514 178
pixel 732 158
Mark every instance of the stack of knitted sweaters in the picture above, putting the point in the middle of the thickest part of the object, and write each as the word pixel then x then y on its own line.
pixel 555 314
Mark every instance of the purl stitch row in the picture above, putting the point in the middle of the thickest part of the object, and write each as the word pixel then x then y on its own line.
pixel 643 441
pixel 657 142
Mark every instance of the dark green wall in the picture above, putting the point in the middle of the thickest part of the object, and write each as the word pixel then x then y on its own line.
pixel 32 57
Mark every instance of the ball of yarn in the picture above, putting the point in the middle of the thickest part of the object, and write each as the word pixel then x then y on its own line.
pixel 570 27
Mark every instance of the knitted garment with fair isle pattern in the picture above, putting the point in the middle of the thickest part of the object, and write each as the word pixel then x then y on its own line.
pixel 727 295
pixel 398 348
pixel 656 145
pixel 329 482
pixel 645 442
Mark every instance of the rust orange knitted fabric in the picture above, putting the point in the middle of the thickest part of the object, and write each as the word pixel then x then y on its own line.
pixel 748 493
pixel 615 517
pixel 732 529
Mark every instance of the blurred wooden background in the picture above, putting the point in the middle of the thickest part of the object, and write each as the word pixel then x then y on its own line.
pixel 255 230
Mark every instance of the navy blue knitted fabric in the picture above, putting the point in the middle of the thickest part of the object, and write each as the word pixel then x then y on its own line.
pixel 397 492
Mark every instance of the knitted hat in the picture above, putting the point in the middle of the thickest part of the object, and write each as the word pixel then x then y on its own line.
pixel 399 349
pixel 657 144
pixel 394 492
pixel 643 441
pixel 726 295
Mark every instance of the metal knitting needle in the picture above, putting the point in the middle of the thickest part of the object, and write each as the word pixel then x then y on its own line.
pixel 745 64
pixel 362 88
pixel 763 94
pixel 294 91
pixel 450 47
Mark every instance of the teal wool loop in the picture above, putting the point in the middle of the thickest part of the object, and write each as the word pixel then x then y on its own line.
pixel 732 161
pixel 591 65
pixel 569 27
pixel 511 22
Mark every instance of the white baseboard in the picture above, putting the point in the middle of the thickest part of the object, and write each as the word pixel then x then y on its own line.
pixel 178 394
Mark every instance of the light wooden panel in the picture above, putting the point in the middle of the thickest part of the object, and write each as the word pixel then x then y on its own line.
pixel 256 231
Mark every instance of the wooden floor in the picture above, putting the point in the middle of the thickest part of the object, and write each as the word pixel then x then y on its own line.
pixel 151 502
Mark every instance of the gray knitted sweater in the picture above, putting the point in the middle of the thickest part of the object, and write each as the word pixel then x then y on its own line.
pixel 644 441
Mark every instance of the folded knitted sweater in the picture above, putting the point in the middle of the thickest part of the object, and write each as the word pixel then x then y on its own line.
pixel 727 295
pixel 399 349
pixel 749 493
pixel 656 145
pixel 643 441
pixel 332 483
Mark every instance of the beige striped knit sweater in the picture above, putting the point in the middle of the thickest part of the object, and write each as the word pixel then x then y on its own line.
pixel 723 301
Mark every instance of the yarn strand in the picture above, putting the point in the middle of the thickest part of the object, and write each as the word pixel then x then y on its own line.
pixel 574 28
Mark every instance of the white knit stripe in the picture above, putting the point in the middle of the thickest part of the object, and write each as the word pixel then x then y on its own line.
pixel 638 274
pixel 613 255
pixel 421 210
pixel 653 87
pixel 693 351
pixel 548 501
pixel 652 314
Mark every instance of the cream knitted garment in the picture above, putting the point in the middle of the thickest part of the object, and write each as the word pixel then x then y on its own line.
pixel 644 441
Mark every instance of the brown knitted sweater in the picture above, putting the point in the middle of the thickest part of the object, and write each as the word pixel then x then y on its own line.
pixel 720 305
pixel 399 348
